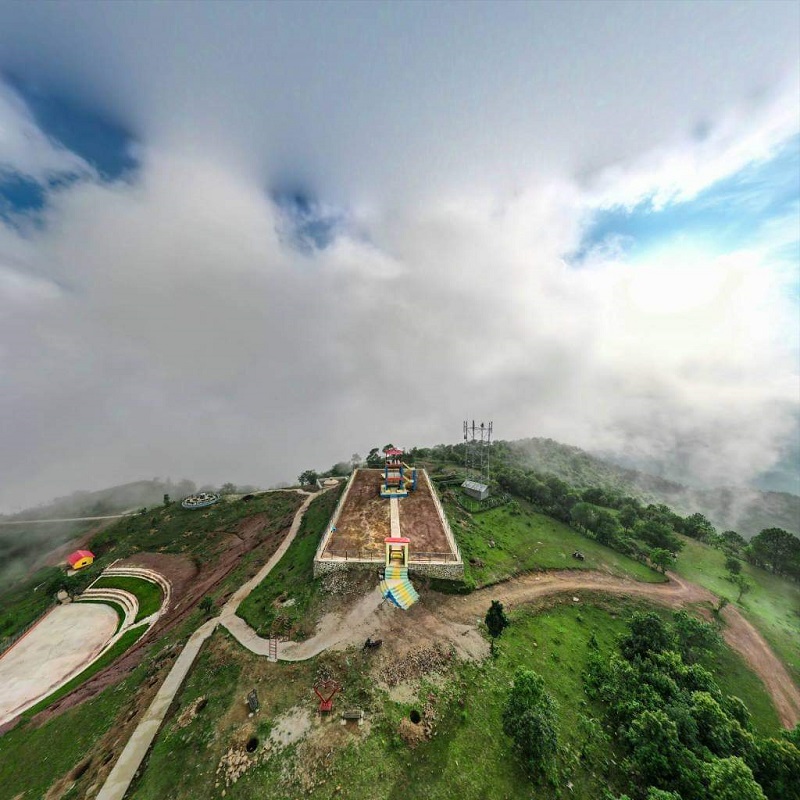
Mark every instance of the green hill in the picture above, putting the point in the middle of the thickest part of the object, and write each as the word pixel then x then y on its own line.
pixel 744 510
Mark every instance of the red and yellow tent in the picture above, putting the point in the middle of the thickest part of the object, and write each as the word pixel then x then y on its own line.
pixel 80 559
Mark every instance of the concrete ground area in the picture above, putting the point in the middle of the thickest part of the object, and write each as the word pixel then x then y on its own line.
pixel 364 521
pixel 57 648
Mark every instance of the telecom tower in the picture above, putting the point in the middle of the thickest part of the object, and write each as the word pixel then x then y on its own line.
pixel 477 443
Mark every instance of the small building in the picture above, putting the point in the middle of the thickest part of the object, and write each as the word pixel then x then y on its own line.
pixel 480 491
pixel 80 559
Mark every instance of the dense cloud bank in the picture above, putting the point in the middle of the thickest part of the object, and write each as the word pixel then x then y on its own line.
pixel 181 318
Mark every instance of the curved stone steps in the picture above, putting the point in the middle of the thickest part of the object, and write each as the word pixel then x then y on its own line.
pixel 143 574
pixel 127 600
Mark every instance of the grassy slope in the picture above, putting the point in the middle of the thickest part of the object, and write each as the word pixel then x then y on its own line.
pixel 32 758
pixel 773 604
pixel 167 530
pixel 177 530
pixel 525 539
pixel 147 593
pixel 293 576
pixel 469 756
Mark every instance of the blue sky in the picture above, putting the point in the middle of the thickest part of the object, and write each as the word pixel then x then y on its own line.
pixel 729 215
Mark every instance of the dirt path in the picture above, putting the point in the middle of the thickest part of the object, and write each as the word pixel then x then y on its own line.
pixel 137 747
pixel 454 619
pixel 738 633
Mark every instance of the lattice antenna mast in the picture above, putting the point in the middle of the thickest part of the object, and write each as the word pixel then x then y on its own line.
pixel 477 444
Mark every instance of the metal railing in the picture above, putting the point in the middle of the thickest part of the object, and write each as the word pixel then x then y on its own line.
pixel 377 555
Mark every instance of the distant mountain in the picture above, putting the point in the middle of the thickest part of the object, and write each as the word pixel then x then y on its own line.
pixel 113 500
pixel 23 546
pixel 730 508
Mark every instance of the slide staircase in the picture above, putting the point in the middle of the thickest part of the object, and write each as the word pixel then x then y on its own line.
pixel 397 588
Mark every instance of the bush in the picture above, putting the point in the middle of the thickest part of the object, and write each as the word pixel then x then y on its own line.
pixel 530 719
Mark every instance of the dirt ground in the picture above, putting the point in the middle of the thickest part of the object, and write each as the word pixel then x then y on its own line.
pixel 453 621
pixel 364 521
pixel 190 584
pixel 420 522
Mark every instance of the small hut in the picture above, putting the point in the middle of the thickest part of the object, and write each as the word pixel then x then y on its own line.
pixel 480 491
pixel 80 559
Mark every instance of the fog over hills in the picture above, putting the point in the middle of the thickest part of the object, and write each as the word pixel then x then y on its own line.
pixel 226 229
pixel 745 510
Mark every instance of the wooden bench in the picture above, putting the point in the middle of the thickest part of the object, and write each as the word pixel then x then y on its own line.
pixel 353 715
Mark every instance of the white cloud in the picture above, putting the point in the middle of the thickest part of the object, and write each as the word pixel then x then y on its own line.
pixel 162 327
pixel 25 150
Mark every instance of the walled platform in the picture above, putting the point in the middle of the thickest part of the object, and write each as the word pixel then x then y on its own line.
pixel 361 522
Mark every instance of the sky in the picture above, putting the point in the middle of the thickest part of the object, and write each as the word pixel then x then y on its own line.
pixel 241 240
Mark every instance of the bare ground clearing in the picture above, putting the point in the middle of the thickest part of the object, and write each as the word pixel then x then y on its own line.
pixel 454 619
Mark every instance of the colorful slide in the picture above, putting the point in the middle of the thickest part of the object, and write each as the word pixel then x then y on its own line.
pixel 409 477
pixel 397 588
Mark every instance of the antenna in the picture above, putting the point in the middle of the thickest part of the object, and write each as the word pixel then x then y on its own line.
pixel 477 445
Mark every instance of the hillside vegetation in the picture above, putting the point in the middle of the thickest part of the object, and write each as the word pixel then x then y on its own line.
pixel 745 510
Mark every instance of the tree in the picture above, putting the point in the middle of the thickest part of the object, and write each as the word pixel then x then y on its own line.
pixel 530 719
pixel 698 527
pixel 387 447
pixel 228 488
pixel 649 634
pixel 743 585
pixel 731 779
pixel 659 534
pixel 308 477
pixel 775 547
pixel 733 565
pixel 694 637
pixel 583 515
pixel 776 767
pixel 656 750
pixel 662 558
pixel 628 517
pixel 606 527
pixel 167 501
pixel 496 619
pixel 206 604
pixel 373 459
pixel 733 540
pixel 355 460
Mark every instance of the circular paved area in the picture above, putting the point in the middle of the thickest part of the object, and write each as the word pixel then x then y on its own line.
pixel 60 646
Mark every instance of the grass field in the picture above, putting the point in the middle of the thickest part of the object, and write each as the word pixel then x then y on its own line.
pixel 525 540
pixel 148 594
pixel 468 758
pixel 773 604
pixel 293 577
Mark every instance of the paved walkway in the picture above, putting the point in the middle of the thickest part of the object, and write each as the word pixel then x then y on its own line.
pixel 120 777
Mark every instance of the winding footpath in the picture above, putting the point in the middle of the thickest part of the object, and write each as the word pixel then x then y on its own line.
pixel 123 772
pixel 454 616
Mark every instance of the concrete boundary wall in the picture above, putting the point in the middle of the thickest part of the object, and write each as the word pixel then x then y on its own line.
pixel 445 569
